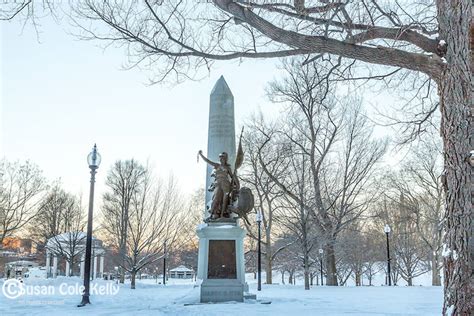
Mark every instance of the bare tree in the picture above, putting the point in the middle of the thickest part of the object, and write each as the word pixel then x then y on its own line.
pixel 423 171
pixel 179 35
pixel 21 189
pixel 410 252
pixel 393 34
pixel 124 181
pixel 59 224
pixel 338 153
pixel 419 182
pixel 56 211
pixel 154 221
pixel 266 191
pixel 186 246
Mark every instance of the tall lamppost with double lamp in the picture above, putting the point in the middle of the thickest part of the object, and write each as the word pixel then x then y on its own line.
pixel 93 159
pixel 387 232
pixel 259 218
pixel 321 264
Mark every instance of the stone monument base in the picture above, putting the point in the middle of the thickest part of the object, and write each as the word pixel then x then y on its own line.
pixel 221 291
pixel 221 265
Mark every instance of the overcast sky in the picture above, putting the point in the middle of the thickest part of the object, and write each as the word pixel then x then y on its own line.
pixel 60 95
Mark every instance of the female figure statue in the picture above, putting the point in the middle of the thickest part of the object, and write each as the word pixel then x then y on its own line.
pixel 222 186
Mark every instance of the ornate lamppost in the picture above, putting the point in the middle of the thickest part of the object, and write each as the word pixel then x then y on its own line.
pixel 387 231
pixel 93 159
pixel 259 219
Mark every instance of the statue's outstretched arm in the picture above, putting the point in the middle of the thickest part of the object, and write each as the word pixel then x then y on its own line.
pixel 212 163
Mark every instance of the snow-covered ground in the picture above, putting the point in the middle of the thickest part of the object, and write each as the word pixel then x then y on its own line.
pixel 180 297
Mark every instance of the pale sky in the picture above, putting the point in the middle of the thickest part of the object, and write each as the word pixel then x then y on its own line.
pixel 61 95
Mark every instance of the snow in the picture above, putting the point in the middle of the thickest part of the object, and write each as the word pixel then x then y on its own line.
pixel 201 226
pixel 442 42
pixel 446 251
pixel 181 297
pixel 181 269
pixel 225 226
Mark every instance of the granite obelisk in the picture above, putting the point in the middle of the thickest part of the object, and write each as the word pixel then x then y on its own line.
pixel 221 132
pixel 221 264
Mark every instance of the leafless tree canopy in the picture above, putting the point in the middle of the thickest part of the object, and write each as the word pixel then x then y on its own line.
pixel 59 212
pixel 178 36
pixel 21 189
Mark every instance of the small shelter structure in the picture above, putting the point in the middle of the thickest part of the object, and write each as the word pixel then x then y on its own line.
pixel 181 272
pixel 71 246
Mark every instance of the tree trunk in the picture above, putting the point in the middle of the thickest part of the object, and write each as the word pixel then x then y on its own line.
pixel 71 267
pixel 456 105
pixel 122 275
pixel 290 278
pixel 306 272
pixel 268 260
pixel 331 276
pixel 282 277
pixel 357 278
pixel 435 273
pixel 132 281
pixel 410 281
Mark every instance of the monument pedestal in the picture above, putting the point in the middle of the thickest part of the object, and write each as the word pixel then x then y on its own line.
pixel 221 265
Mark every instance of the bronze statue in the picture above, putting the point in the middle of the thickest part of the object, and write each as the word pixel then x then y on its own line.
pixel 228 197
pixel 222 186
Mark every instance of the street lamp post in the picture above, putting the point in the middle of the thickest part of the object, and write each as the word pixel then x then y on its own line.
pixel 164 265
pixel 259 219
pixel 321 264
pixel 93 159
pixel 387 231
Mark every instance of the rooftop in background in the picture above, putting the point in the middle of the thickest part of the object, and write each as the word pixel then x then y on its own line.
pixel 181 269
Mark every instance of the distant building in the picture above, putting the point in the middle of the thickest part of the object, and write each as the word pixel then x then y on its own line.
pixel 16 247
pixel 181 272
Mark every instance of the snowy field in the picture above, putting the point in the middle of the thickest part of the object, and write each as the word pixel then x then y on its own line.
pixel 180 297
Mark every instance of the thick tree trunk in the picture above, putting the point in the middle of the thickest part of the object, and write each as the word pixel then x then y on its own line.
pixel 132 281
pixel 331 276
pixel 306 272
pixel 357 278
pixel 457 108
pixel 122 275
pixel 71 268
pixel 410 281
